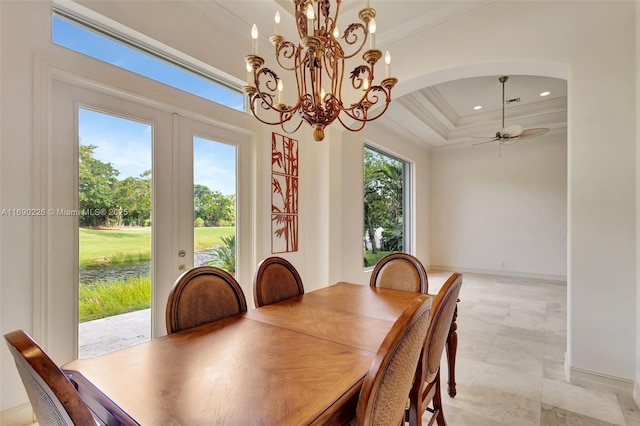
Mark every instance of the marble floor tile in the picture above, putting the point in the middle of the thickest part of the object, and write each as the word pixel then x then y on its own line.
pixel 554 351
pixel 490 312
pixel 501 379
pixel 589 402
pixel 516 343
pixel 553 370
pixel 556 322
pixel 538 307
pixel 512 340
pixel 554 416
pixel 525 319
pixel 516 358
pixel 523 333
pixel 458 417
pixel 553 337
pixel 488 402
pixel 630 410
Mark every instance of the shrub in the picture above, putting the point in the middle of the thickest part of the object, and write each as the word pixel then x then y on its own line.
pixel 101 299
pixel 224 256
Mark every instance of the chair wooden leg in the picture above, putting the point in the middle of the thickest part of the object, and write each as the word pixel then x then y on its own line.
pixel 452 349
pixel 414 413
pixel 437 403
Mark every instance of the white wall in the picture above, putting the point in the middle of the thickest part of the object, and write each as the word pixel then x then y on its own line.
pixel 503 214
pixel 592 46
pixel 23 30
pixel 636 389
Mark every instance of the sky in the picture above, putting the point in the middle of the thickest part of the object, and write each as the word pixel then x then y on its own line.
pixel 127 144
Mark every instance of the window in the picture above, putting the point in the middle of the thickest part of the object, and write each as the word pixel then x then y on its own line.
pixel 100 43
pixel 386 205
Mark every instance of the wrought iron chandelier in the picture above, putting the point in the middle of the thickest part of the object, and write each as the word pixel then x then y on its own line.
pixel 318 63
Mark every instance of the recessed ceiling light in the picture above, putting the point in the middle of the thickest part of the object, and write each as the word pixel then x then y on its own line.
pixel 545 93
pixel 477 107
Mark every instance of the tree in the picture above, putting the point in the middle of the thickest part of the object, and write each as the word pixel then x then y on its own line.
pixel 133 198
pixel 100 193
pixel 96 181
pixel 383 194
pixel 212 207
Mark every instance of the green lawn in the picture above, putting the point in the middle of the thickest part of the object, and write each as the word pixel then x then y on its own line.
pixel 209 237
pixel 112 246
pixel 102 299
pixel 371 259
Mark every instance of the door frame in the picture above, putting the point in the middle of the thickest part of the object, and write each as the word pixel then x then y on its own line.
pixel 55 321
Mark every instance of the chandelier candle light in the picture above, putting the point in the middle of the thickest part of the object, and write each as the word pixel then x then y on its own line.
pixel 318 63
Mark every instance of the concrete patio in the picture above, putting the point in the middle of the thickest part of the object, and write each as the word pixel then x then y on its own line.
pixel 109 334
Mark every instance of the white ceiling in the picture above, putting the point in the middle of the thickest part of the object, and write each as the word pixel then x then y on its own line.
pixel 434 117
pixel 443 116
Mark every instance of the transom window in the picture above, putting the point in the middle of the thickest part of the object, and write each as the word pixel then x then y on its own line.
pixel 90 39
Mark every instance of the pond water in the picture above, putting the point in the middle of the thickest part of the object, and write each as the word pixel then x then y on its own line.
pixel 132 269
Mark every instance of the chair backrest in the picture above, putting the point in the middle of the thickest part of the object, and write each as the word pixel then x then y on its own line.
pixel 53 397
pixel 385 389
pixel 275 279
pixel 400 271
pixel 444 307
pixel 201 295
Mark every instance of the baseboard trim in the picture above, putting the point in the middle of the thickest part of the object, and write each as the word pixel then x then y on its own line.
pixel 17 416
pixel 557 279
pixel 636 393
pixel 593 380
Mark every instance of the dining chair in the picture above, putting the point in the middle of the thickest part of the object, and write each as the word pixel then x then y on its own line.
pixel 201 295
pixel 400 271
pixel 426 388
pixel 386 386
pixel 54 398
pixel 275 279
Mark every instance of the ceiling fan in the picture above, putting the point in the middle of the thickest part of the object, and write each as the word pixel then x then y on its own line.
pixel 514 133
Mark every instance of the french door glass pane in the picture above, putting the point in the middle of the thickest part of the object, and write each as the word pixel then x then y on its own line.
pixel 114 216
pixel 214 203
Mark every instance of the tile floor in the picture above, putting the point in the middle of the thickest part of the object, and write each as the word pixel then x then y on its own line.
pixel 510 363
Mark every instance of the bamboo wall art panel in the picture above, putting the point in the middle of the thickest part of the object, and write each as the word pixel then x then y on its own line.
pixel 284 194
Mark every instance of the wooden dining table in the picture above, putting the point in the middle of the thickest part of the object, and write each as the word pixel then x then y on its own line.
pixel 300 361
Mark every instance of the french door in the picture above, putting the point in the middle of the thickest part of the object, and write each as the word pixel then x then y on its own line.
pixel 146 144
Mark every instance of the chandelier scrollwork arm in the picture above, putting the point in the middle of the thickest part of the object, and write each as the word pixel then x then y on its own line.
pixel 317 62
pixel 351 36
pixel 286 50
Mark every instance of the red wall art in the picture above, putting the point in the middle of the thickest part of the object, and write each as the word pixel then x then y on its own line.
pixel 284 194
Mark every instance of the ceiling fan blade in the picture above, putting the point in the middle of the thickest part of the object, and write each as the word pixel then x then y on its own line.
pixel 482 143
pixel 533 133
pixel 510 141
pixel 480 137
